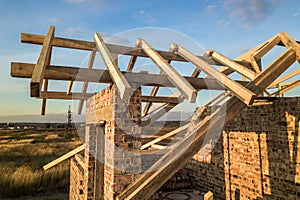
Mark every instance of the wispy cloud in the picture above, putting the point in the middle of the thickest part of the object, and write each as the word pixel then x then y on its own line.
pixel 249 12
pixel 296 14
pixel 76 1
pixel 145 16
pixel 210 8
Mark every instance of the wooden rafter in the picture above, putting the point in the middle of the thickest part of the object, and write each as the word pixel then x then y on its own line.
pixel 240 91
pixel 180 82
pixel 39 70
pixel 231 64
pixel 25 70
pixel 175 159
pixel 64 157
pixel 86 83
pixel 285 89
pixel 122 84
pixel 65 96
pixel 288 41
pixel 284 78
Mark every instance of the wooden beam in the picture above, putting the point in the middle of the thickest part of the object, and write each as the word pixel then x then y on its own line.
pixel 122 84
pixel 86 83
pixel 162 110
pixel 288 41
pixel 181 83
pixel 231 64
pixel 64 96
pixel 165 136
pixel 284 78
pixel 159 99
pixel 39 70
pixel 241 92
pixel 25 70
pixel 175 159
pixel 64 157
pixel 90 46
pixel 285 89
pixel 266 48
pixel 44 101
pixel 70 84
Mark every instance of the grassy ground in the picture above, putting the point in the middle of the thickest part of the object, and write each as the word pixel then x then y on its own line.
pixel 22 156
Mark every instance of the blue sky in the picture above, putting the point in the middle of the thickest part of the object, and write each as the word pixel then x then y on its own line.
pixel 230 27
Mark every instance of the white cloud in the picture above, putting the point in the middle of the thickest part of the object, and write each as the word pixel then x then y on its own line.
pixel 296 14
pixel 210 8
pixel 76 1
pixel 144 16
pixel 249 12
pixel 73 31
pixel 54 20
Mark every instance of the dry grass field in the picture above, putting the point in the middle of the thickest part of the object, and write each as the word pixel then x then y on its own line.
pixel 22 156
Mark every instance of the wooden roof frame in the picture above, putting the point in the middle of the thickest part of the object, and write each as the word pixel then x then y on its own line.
pixel 248 65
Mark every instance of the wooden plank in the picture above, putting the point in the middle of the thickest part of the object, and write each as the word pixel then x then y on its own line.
pixel 175 159
pixel 39 70
pixel 157 146
pixel 283 90
pixel 266 48
pixel 64 96
pixel 181 83
pixel 156 115
pixel 44 101
pixel 231 64
pixel 122 84
pixel 80 160
pixel 90 46
pixel 70 84
pixel 241 92
pixel 167 135
pixel 25 70
pixel 209 196
pixel 288 41
pixel 159 99
pixel 284 78
pixel 86 83
pixel 64 157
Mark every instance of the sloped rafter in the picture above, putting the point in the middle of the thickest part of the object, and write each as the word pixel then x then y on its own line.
pixel 285 89
pixel 39 70
pixel 288 41
pixel 122 84
pixel 181 83
pixel 241 92
pixel 232 64
pixel 86 83
pixel 175 159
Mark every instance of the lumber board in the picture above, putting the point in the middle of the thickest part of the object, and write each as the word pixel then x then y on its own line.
pixel 266 48
pixel 39 70
pixel 180 82
pixel 122 84
pixel 286 89
pixel 284 78
pixel 70 85
pixel 80 160
pixel 160 99
pixel 240 91
pixel 90 46
pixel 44 101
pixel 232 64
pixel 175 159
pixel 167 135
pixel 64 157
pixel 65 96
pixel 86 83
pixel 288 41
pixel 24 70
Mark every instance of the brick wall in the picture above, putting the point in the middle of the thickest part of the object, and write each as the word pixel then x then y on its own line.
pixel 256 157
pixel 121 135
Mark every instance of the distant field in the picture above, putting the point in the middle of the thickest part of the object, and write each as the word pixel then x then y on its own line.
pixel 22 156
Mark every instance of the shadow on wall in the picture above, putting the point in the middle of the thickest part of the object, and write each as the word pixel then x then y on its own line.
pixel 257 157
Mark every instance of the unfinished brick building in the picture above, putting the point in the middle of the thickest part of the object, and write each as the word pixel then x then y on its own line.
pixel 252 130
